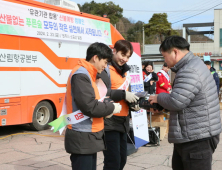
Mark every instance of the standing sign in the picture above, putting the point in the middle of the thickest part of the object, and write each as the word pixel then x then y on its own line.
pixel 139 119
pixel 16 19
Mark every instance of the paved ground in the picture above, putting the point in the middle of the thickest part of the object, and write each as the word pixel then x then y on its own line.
pixel 45 151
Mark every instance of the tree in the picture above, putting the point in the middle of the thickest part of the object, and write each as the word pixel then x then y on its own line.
pixel 123 25
pixel 113 12
pixel 135 33
pixel 159 25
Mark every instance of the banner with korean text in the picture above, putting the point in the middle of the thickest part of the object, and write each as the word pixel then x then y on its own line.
pixel 139 119
pixel 22 20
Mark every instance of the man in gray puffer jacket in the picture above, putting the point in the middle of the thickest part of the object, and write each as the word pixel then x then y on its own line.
pixel 195 122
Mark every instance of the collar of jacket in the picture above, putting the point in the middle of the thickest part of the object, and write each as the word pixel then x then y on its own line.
pixel 147 73
pixel 182 62
pixel 120 69
pixel 212 69
pixel 89 67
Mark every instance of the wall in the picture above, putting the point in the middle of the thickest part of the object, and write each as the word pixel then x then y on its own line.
pixel 152 49
pixel 194 47
pixel 217 27
pixel 203 47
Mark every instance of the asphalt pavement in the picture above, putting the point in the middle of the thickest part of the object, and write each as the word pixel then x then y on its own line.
pixel 23 149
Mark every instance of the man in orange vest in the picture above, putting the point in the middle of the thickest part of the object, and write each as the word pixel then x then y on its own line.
pixel 116 128
pixel 84 136
pixel 163 84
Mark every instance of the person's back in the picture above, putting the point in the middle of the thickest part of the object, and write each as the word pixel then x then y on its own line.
pixel 216 78
pixel 215 75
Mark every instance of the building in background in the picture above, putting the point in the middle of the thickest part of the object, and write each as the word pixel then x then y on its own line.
pixel 199 48
pixel 64 4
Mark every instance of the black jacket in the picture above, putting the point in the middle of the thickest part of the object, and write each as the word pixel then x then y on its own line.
pixel 216 78
pixel 115 123
pixel 86 142
pixel 147 86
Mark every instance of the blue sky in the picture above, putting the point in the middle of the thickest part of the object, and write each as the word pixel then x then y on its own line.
pixel 174 8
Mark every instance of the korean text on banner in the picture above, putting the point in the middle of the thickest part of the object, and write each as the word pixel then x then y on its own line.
pixel 22 20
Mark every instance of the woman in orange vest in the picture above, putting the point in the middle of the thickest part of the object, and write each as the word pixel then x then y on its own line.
pixel 84 137
pixel 116 128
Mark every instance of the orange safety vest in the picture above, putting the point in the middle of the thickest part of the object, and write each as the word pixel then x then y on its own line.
pixel 88 125
pixel 116 81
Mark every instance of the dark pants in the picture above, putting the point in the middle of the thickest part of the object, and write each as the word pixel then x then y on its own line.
pixel 116 154
pixel 83 161
pixel 194 155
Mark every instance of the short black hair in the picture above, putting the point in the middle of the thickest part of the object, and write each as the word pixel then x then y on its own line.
pixel 174 42
pixel 165 64
pixel 148 63
pixel 123 46
pixel 207 63
pixel 99 49
pixel 143 63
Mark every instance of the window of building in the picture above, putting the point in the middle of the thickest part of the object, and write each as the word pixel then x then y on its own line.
pixel 53 2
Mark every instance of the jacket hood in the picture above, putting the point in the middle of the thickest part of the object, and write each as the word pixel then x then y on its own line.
pixel 182 62
pixel 89 67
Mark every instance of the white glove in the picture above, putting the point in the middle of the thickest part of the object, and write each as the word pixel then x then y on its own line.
pixel 136 108
pixel 117 109
pixel 131 97
pixel 109 116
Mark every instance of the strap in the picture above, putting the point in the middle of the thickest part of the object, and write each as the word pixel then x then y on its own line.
pixel 108 73
pixel 165 75
pixel 148 77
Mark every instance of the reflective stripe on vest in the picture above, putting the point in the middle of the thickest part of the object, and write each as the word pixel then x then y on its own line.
pixel 162 84
pixel 212 72
pixel 84 123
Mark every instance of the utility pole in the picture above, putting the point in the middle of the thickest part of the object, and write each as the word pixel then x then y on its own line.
pixel 143 40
